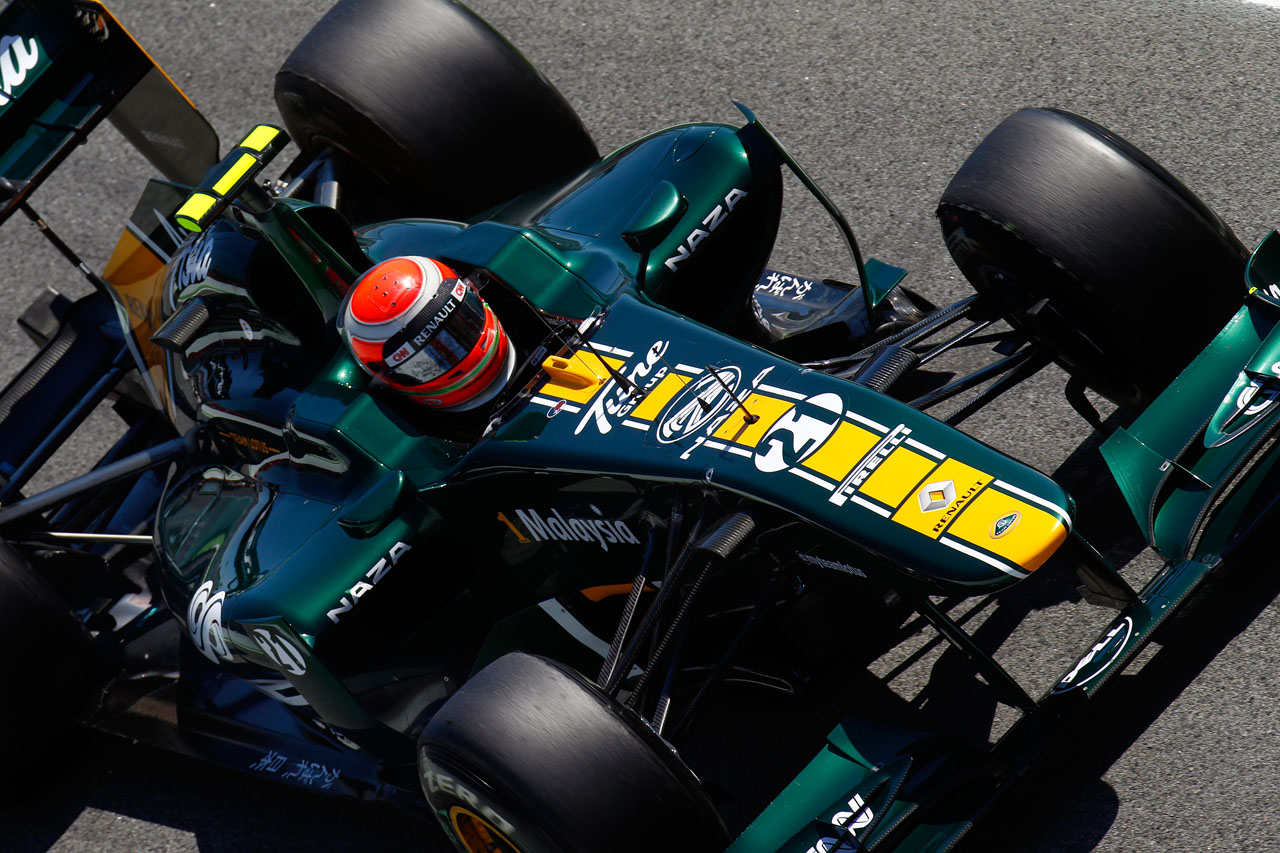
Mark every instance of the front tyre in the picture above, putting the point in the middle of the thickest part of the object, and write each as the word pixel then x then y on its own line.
pixel 1093 248
pixel 433 101
pixel 50 666
pixel 530 757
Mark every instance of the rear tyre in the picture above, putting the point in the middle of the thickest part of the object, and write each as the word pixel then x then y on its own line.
pixel 1135 272
pixel 529 756
pixel 50 666
pixel 433 101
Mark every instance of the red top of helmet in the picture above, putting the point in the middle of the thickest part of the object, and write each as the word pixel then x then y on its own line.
pixel 390 288
pixel 418 327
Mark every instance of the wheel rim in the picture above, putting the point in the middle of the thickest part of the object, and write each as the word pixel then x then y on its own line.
pixel 477 834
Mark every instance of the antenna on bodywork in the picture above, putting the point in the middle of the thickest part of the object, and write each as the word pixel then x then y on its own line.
pixel 871 293
pixel 746 414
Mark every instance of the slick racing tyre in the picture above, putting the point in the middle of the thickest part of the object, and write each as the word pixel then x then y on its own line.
pixel 433 101
pixel 1095 249
pixel 528 756
pixel 50 667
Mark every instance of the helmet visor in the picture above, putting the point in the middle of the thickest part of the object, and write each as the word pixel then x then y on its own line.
pixel 439 339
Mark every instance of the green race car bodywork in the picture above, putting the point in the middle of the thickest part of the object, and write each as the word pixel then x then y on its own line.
pixel 340 562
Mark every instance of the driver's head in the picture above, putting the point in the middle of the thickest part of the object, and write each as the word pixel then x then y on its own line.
pixel 416 326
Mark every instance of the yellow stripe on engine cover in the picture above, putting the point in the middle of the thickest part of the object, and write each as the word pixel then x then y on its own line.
pixel 767 411
pixel 260 137
pixel 1016 530
pixel 194 210
pixel 846 446
pixel 943 496
pixel 897 476
pixel 659 396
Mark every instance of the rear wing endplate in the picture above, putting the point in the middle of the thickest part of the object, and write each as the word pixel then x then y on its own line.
pixel 64 66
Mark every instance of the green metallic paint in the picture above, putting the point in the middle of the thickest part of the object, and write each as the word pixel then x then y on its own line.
pixel 322 271
pixel 596 440
pixel 531 263
pixel 946 784
pixel 328 552
pixel 346 539
pixel 330 532
pixel 873 781
pixel 1193 493
pixel 568 254
pixel 1191 463
pixel 1263 271
pixel 882 278
pixel 655 218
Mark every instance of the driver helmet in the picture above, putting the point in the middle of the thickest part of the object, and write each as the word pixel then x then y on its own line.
pixel 417 326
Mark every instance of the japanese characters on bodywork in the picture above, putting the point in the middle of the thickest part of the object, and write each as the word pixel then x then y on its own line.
pixel 781 285
pixel 306 774
pixel 865 466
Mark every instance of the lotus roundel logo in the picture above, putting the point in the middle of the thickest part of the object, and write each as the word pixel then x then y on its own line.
pixel 1004 524
pixel 937 495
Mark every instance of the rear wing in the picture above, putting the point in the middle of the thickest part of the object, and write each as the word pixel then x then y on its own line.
pixel 64 66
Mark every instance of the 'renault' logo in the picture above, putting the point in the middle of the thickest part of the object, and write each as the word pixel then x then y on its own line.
pixel 1004 524
pixel 937 495
pixel 953 502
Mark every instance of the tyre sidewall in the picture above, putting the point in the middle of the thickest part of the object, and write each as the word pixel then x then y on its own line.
pixel 450 785
pixel 1015 275
pixel 50 666
pixel 1126 255
pixel 432 100
pixel 564 766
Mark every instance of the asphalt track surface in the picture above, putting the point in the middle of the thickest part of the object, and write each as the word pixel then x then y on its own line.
pixel 881 101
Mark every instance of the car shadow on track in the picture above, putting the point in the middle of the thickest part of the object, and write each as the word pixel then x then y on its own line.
pixel 1063 805
pixel 103 793
pixel 746 759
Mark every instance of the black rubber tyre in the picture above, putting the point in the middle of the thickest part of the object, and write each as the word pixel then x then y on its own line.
pixel 532 754
pixel 1138 273
pixel 50 665
pixel 433 101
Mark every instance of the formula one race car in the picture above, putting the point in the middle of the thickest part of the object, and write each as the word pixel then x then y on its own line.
pixel 698 486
